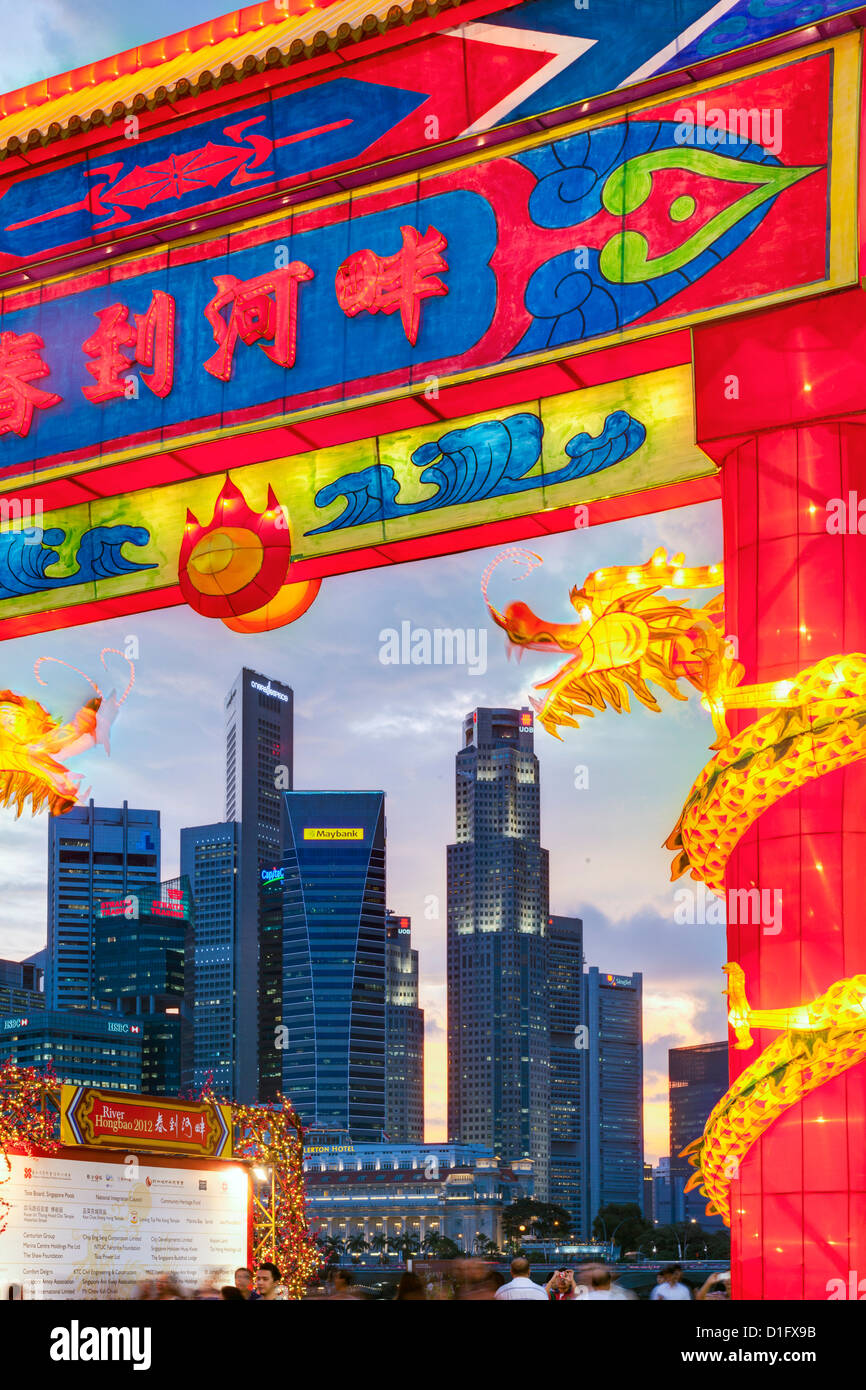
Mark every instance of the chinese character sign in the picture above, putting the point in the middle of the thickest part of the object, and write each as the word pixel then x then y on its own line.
pixel 608 232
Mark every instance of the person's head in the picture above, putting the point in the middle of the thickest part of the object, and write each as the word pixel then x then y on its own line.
pixel 671 1274
pixel 231 1293
pixel 167 1286
pixel 587 1272
pixel 343 1279
pixel 267 1279
pixel 601 1278
pixel 519 1268
pixel 411 1286
pixel 244 1281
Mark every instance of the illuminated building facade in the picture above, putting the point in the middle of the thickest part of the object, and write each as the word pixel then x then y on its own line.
pixel 140 963
pixel 698 1078
pixel 334 960
pixel 568 1055
pixel 381 1193
pixel 81 1047
pixel 614 1088
pixel 272 1039
pixel 498 1028
pixel 210 862
pixel 95 854
pixel 22 987
pixel 404 1036
pixel 258 751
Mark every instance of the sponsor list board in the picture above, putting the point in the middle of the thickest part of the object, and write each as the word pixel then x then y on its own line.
pixel 80 1225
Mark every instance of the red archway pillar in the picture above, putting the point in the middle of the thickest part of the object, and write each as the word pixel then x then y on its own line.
pixel 778 397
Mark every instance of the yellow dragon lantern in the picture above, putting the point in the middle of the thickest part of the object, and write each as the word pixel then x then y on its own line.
pixel 627 634
pixel 32 742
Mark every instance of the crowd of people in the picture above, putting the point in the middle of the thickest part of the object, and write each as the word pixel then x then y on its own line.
pixel 470 1279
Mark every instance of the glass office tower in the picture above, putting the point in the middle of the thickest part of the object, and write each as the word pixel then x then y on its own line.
pixel 95 854
pixel 334 960
pixel 613 1010
pixel 498 1023
pixel 258 751
pixel 404 1031
pixel 272 1035
pixel 140 961
pixel 698 1078
pixel 209 861
pixel 568 1055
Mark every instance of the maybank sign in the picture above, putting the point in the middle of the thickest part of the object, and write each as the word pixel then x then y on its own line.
pixel 321 833
pixel 269 690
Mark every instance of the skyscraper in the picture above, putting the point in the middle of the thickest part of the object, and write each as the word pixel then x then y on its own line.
pixel 209 860
pixel 404 1036
pixel 258 733
pixel 272 1038
pixel 21 987
pixel 614 1088
pixel 334 960
pixel 140 962
pixel 698 1078
pixel 95 854
pixel 498 1026
pixel 568 1053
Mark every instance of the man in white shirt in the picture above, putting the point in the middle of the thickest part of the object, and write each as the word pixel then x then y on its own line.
pixel 670 1289
pixel 601 1286
pixel 521 1285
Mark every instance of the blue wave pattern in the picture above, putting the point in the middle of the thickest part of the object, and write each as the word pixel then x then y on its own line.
pixel 474 464
pixel 569 304
pixel 25 556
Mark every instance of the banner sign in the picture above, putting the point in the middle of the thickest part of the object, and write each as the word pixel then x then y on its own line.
pixel 160 167
pixel 90 1225
pixel 620 438
pixel 117 1120
pixel 662 216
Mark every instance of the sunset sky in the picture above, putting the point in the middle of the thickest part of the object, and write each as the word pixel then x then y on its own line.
pixel 362 724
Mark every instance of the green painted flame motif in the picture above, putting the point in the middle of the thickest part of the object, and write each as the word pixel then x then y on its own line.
pixel 625 259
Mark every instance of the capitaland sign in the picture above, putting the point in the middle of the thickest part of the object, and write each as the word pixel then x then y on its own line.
pixel 269 690
pixel 323 833
pixel 272 875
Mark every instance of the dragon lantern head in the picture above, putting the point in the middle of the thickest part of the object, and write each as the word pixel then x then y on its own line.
pixel 32 741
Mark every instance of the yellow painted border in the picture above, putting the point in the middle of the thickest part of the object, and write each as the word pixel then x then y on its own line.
pixel 843 268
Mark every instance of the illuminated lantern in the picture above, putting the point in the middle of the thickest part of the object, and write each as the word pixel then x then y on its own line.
pixel 235 568
pixel 32 741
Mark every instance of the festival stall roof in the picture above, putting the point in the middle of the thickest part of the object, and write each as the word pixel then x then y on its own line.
pixel 196 59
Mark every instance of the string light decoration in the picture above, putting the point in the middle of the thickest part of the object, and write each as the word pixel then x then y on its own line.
pixel 272 1140
pixel 26 1121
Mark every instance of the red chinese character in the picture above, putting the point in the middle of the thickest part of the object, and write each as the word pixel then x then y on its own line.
pixel 21 363
pixel 152 339
pixel 264 307
pixel 370 283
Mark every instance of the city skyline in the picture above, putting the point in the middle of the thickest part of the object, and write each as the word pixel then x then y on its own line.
pixel 353 730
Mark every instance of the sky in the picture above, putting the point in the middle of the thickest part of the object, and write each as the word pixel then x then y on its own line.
pixel 362 724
